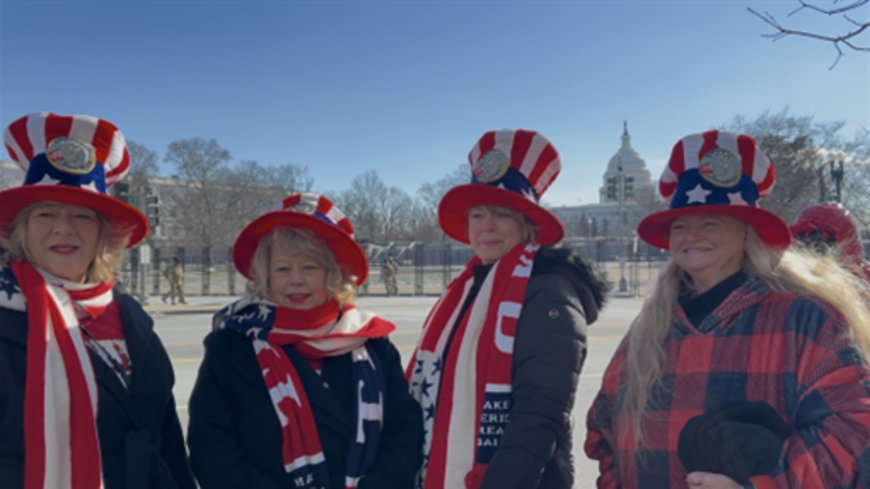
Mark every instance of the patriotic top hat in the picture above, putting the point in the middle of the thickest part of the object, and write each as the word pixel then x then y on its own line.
pixel 717 172
pixel 309 211
pixel 509 168
pixel 73 160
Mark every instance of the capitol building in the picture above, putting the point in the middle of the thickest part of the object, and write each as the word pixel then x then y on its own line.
pixel 626 190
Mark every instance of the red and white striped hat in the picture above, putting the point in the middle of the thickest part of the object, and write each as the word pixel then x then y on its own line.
pixel 308 211
pixel 509 168
pixel 72 159
pixel 717 172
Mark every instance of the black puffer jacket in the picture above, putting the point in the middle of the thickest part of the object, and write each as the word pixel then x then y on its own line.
pixel 564 295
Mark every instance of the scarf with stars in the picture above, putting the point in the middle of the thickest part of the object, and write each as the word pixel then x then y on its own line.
pixel 325 331
pixel 465 388
pixel 61 444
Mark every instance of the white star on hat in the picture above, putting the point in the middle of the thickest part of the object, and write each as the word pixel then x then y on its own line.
pixel 91 186
pixel 736 198
pixel 47 180
pixel 698 194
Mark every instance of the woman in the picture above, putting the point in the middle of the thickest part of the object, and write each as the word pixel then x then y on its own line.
pixel 497 364
pixel 746 366
pixel 85 384
pixel 299 389
pixel 830 225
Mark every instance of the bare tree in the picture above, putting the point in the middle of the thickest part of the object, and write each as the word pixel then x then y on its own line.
pixel 199 203
pixel 801 149
pixel 379 213
pixel 143 168
pixel 429 196
pixel 845 10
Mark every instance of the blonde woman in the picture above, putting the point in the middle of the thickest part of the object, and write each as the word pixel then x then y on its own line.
pixel 746 366
pixel 298 388
pixel 85 384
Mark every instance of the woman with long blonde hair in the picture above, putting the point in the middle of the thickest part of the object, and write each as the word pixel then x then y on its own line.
pixel 746 367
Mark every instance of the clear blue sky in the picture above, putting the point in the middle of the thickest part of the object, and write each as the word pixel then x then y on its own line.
pixel 406 88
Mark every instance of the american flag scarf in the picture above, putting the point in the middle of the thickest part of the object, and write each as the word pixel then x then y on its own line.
pixel 62 449
pixel 465 391
pixel 325 331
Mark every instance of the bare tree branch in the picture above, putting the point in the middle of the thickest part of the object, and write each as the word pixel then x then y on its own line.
pixel 847 39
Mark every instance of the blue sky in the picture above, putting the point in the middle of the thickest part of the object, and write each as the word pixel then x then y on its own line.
pixel 407 87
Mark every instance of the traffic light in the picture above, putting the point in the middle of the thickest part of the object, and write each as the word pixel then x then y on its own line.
pixel 122 191
pixel 152 208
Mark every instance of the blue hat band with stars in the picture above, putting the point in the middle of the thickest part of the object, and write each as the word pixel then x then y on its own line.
pixel 515 181
pixel 695 190
pixel 42 171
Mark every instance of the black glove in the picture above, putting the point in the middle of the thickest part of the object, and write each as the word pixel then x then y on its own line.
pixel 737 440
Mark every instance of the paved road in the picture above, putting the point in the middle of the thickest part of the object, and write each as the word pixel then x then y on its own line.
pixel 182 334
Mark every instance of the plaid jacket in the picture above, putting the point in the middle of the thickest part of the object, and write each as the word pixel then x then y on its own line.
pixel 789 350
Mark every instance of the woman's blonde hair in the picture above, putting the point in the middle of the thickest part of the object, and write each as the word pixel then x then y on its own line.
pixel 340 284
pixel 793 270
pixel 111 243
pixel 528 229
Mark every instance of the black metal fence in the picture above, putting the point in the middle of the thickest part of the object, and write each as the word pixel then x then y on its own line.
pixel 423 268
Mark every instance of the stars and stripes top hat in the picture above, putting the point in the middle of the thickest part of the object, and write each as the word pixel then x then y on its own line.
pixel 72 159
pixel 509 168
pixel 717 172
pixel 309 211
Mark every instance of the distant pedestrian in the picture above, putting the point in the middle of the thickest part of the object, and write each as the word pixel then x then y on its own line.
pixel 389 270
pixel 174 274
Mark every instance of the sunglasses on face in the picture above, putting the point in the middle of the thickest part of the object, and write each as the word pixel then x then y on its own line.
pixel 821 241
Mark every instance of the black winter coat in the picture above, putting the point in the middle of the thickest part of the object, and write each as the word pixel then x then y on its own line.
pixel 563 296
pixel 141 441
pixel 235 437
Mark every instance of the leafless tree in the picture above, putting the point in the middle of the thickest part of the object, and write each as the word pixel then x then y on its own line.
pixel 848 38
pixel 143 168
pixel 429 196
pixel 802 148
pixel 199 203
pixel 379 213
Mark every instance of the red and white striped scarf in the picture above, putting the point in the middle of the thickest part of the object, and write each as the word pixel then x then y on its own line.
pixel 62 449
pixel 465 391
pixel 322 332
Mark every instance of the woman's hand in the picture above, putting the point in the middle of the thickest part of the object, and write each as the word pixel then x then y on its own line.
pixel 706 480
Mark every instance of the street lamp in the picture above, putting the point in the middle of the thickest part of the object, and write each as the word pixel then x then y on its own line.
pixel 620 195
pixel 837 177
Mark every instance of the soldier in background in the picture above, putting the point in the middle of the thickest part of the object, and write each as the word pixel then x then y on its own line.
pixel 174 273
pixel 389 270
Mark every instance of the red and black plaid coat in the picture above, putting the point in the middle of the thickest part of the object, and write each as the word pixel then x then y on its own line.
pixel 789 350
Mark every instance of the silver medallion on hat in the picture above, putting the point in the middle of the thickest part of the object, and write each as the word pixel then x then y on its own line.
pixel 721 167
pixel 71 156
pixel 491 166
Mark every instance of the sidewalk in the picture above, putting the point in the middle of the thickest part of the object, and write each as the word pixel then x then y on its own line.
pixel 197 304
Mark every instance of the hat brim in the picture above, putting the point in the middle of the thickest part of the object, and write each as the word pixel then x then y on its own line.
pixel 347 252
pixel 454 207
pixel 655 228
pixel 14 200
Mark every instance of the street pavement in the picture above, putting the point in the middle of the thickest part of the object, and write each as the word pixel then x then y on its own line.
pixel 183 327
